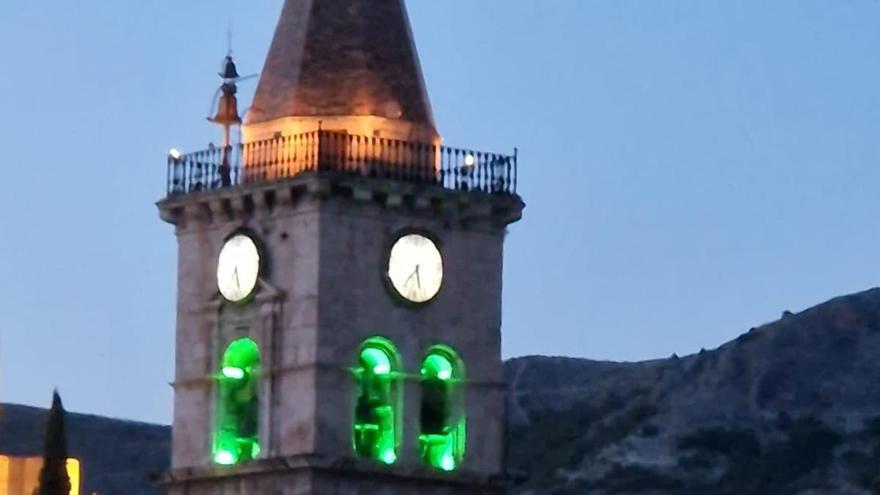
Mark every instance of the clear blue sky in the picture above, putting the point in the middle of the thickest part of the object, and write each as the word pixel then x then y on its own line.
pixel 692 168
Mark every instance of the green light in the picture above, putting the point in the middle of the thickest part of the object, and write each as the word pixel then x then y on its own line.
pixel 439 451
pixel 236 437
pixel 233 373
pixel 439 366
pixel 443 424
pixel 377 360
pixel 389 457
pixel 225 458
pixel 376 424
pixel 447 463
pixel 242 353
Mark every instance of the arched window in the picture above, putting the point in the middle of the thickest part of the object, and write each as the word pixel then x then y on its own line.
pixel 236 438
pixel 443 437
pixel 377 420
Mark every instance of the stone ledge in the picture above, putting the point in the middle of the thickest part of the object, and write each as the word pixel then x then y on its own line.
pixel 263 199
pixel 342 466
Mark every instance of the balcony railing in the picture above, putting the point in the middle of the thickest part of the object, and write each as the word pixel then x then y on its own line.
pixel 342 154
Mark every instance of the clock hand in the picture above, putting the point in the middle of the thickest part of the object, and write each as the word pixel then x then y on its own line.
pixel 415 274
pixel 406 282
pixel 237 281
pixel 418 277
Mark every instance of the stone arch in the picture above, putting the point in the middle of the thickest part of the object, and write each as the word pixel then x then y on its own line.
pixel 379 400
pixel 443 421
pixel 236 435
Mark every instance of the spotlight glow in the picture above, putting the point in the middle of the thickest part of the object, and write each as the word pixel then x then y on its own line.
pixel 447 463
pixel 224 458
pixel 389 457
pixel 233 372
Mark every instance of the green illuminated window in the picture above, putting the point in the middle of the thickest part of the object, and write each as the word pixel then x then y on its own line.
pixel 377 419
pixel 443 437
pixel 236 438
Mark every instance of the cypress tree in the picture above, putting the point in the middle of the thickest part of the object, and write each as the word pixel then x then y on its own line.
pixel 53 475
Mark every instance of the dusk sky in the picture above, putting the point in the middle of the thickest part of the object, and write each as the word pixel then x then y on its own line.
pixel 691 169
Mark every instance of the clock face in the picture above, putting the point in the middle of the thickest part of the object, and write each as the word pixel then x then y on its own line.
pixel 416 268
pixel 238 268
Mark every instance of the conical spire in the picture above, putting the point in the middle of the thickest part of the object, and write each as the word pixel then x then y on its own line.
pixel 342 58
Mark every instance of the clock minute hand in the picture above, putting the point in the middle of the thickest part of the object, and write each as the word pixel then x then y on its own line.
pixel 415 274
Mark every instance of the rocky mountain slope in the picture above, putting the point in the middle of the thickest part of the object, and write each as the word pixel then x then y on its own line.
pixel 792 407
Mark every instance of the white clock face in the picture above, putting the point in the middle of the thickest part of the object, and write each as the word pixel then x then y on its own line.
pixel 238 268
pixel 416 268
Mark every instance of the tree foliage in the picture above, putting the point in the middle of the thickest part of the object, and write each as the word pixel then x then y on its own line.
pixel 54 479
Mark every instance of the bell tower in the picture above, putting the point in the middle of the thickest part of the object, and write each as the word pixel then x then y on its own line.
pixel 339 278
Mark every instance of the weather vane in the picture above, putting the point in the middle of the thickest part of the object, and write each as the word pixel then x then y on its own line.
pixel 224 107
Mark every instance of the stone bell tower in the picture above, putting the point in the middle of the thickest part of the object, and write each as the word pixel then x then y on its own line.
pixel 339 279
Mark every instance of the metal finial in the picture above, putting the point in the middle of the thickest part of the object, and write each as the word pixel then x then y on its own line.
pixel 229 72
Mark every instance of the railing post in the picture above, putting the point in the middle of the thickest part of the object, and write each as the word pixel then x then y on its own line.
pixel 515 169
pixel 169 187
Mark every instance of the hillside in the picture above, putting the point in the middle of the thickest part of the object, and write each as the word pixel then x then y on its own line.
pixel 789 408
pixel 792 407
pixel 118 457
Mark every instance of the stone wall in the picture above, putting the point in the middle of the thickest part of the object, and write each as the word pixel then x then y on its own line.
pixel 322 293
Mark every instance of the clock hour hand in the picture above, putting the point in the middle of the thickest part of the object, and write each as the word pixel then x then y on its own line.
pixel 415 274
pixel 235 275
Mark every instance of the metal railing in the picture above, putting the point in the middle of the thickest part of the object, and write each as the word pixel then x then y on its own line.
pixel 340 153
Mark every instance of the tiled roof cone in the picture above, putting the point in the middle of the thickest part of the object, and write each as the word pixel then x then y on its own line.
pixel 331 59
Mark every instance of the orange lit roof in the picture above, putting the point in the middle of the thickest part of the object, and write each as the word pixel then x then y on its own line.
pixel 342 58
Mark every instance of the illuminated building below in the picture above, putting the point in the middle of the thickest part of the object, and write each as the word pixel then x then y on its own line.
pixel 21 475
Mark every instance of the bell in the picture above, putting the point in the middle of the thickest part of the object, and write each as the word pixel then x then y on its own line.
pixel 227 108
pixel 229 72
